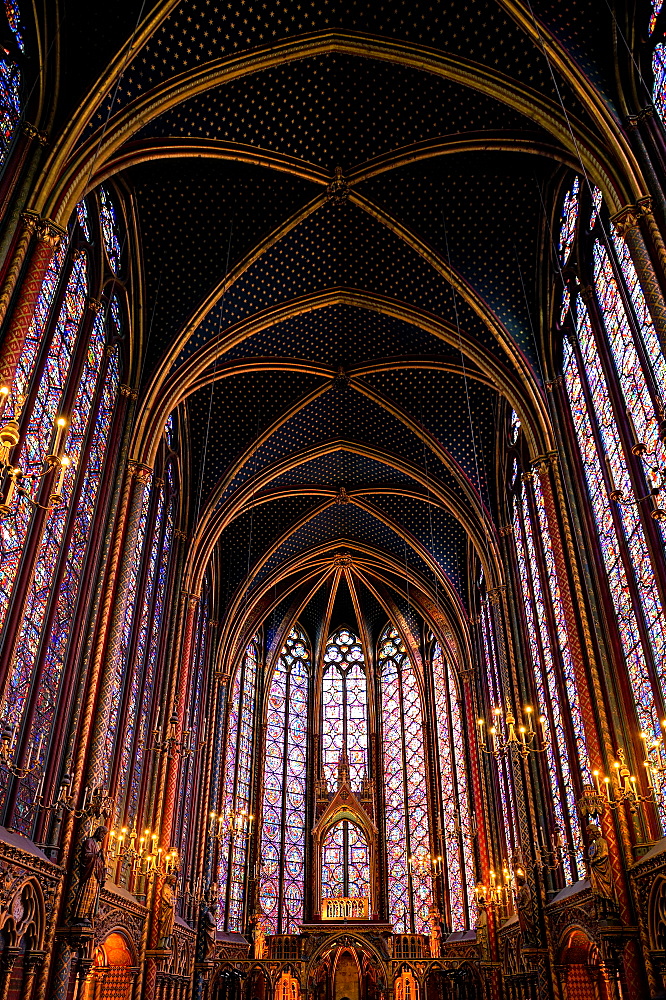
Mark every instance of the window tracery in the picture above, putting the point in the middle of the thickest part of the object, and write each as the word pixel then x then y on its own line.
pixel 284 795
pixel 236 785
pixel 405 787
pixel 459 863
pixel 344 708
pixel 345 862
pixel 613 363
pixel 65 356
pixel 10 83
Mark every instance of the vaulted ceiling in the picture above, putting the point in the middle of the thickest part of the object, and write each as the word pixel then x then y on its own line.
pixel 344 213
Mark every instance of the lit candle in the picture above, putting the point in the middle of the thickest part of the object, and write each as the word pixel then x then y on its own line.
pixel 65 463
pixel 522 731
pixel 12 476
pixel 650 777
pixel 60 429
pixel 596 781
pixel 544 731
pixel 632 779
pixel 528 713
pixel 609 790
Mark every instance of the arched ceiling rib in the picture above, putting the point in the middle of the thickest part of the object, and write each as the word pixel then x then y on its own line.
pixel 344 215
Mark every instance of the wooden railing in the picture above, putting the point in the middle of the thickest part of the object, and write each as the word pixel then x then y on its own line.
pixel 344 908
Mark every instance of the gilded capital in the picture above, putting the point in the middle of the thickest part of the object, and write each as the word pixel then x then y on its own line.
pixel 141 473
pixel 128 391
pixel 626 219
pixel 50 232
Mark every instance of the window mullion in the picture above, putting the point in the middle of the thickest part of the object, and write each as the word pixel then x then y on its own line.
pixel 619 528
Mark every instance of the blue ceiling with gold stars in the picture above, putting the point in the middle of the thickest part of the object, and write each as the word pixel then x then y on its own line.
pixel 342 212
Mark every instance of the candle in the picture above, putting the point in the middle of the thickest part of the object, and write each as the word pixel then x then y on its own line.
pixel 40 787
pixel 650 777
pixel 609 790
pixel 60 428
pixel 65 463
pixel 528 713
pixel 596 781
pixel 632 779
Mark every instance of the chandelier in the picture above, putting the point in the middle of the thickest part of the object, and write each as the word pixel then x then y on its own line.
pixel 10 474
pixel 507 738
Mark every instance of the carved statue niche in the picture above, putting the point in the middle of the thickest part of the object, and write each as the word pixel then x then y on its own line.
pixel 525 908
pixel 435 922
pixel 601 875
pixel 92 875
pixel 209 930
pixel 166 914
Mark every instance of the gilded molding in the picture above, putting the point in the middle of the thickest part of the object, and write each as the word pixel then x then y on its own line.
pixel 626 219
pixel 141 473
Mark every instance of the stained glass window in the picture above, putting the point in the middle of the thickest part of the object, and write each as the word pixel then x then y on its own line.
pixel 345 862
pixel 405 787
pixel 283 813
pixel 495 698
pixel 636 364
pixel 459 865
pixel 107 218
pixel 344 708
pixel 236 786
pixel 10 83
pixel 658 62
pixel 569 218
pixel 545 663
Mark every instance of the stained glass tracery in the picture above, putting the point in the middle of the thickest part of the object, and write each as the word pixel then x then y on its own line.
pixel 10 83
pixel 405 787
pixel 624 336
pixel 236 786
pixel 459 864
pixel 283 814
pixel 344 708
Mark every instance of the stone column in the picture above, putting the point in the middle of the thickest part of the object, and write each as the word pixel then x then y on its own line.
pixel 47 239
pixel 627 222
pixel 7 961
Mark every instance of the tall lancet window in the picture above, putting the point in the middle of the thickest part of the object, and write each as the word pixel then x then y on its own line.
pixel 615 377
pixel 236 788
pixel 10 79
pixel 551 663
pixel 69 367
pixel 283 813
pixel 405 787
pixel 657 27
pixel 344 708
pixel 458 862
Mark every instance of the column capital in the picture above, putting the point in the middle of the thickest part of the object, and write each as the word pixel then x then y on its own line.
pixel 141 473
pixel 49 232
pixel 127 390
pixel 543 463
pixel 495 595
pixel 627 219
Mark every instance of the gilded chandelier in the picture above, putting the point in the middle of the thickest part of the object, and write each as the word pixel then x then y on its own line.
pixel 10 491
pixel 507 739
